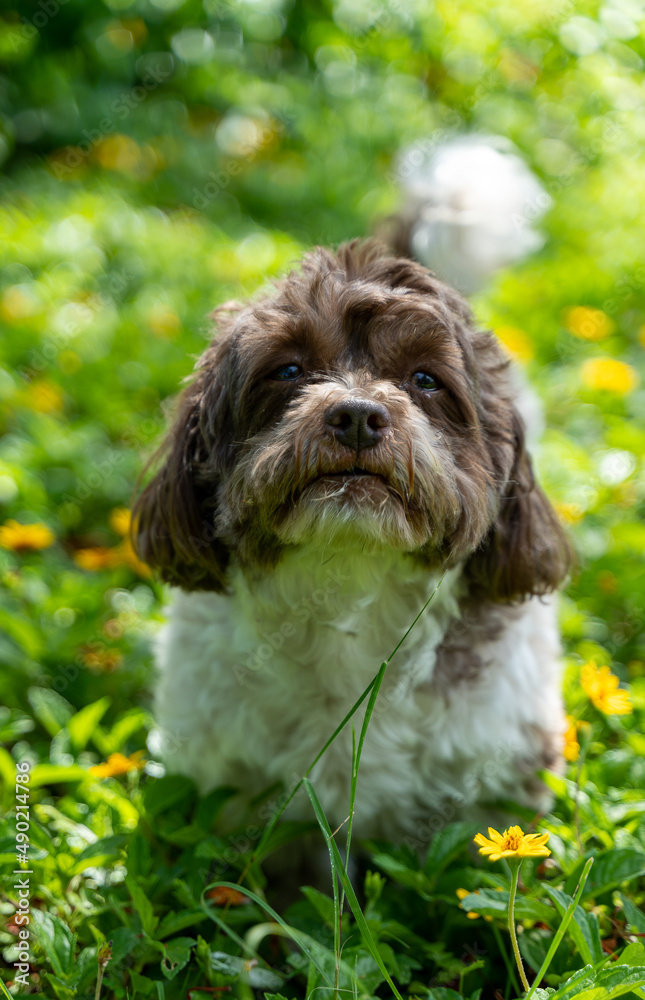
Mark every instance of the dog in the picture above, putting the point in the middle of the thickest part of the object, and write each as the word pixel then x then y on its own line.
pixel 351 445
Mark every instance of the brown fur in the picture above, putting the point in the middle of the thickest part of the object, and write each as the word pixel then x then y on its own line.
pixel 251 467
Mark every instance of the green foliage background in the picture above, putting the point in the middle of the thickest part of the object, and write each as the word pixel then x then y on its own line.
pixel 160 158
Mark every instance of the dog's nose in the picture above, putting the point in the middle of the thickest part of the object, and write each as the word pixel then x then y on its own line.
pixel 357 423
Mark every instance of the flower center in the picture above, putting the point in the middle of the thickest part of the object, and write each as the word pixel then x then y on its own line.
pixel 511 841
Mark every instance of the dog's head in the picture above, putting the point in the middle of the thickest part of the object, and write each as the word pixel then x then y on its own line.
pixel 356 406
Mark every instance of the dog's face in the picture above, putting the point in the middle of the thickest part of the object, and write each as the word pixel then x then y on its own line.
pixel 357 406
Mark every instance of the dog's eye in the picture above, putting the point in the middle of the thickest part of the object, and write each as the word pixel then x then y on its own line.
pixel 424 381
pixel 288 373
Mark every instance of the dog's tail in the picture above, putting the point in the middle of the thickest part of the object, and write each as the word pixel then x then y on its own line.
pixel 470 207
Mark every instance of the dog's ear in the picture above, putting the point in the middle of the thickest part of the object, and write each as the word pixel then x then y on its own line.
pixel 173 518
pixel 526 551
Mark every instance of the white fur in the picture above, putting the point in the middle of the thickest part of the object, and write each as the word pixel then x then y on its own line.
pixel 254 682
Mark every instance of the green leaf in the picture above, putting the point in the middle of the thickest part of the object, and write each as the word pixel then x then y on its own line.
pixel 7 779
pixel 633 954
pixel 172 923
pixel 612 868
pixel 323 904
pixel 402 873
pixel 139 855
pixel 614 983
pixel 446 845
pixel 142 985
pixel 177 955
pixel 162 794
pixel 100 852
pixel 635 917
pixel 495 904
pixel 124 941
pixel 62 990
pixel 583 927
pixel 50 708
pixel 143 906
pixel 125 727
pixel 85 967
pixel 57 941
pixel 23 632
pixel 579 980
pixel 56 774
pixel 211 805
pixel 82 725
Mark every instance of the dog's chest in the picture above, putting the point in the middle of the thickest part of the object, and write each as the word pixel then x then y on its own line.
pixel 253 685
pixel 277 665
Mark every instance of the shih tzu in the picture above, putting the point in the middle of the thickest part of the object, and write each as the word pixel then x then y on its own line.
pixel 348 441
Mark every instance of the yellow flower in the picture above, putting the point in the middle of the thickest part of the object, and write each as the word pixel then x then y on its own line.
pixel 513 843
pixel 100 557
pixel 25 537
pixel 601 687
pixel 588 324
pixel 120 520
pixel 571 748
pixel 516 341
pixel 97 558
pixel 118 763
pixel 609 375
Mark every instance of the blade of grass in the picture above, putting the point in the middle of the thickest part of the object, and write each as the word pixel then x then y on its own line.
pixel 356 755
pixel 296 936
pixel 336 732
pixel 559 934
pixel 339 868
pixel 356 760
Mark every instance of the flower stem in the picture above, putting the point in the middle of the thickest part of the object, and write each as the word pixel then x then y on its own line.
pixel 515 864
